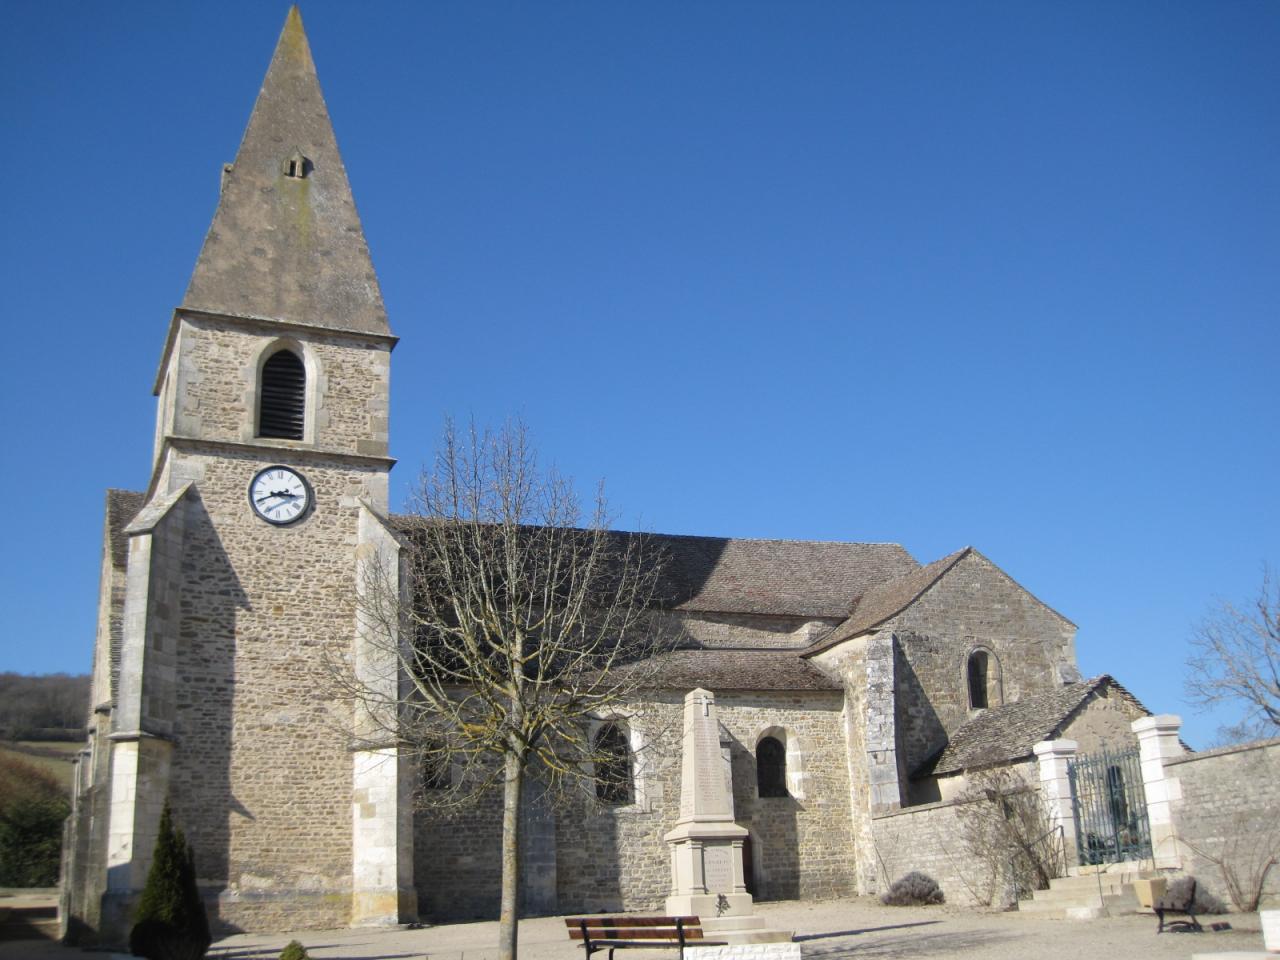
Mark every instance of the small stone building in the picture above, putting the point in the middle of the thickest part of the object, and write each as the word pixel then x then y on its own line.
pixel 851 681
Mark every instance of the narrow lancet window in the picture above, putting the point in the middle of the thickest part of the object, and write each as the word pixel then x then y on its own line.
pixel 282 397
pixel 771 767
pixel 978 667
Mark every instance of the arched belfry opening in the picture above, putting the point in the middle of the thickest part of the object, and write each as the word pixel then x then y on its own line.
pixel 282 396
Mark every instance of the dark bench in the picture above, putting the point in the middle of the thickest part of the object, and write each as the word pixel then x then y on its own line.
pixel 624 933
pixel 1183 903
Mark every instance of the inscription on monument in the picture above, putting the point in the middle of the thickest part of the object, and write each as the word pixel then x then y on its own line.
pixel 717 868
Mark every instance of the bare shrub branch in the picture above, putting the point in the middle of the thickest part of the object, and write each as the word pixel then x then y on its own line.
pixel 1004 824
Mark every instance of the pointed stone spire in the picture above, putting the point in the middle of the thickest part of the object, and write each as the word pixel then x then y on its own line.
pixel 286 243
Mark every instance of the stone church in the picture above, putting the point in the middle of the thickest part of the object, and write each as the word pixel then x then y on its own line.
pixel 851 681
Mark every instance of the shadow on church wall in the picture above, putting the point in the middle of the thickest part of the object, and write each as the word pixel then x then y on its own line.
pixel 205 701
pixel 919 730
pixel 773 823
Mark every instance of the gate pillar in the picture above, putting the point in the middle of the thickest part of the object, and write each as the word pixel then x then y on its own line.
pixel 1054 758
pixel 1157 742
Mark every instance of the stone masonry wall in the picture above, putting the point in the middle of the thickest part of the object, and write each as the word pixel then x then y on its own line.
pixel 261 776
pixel 849 662
pixel 926 838
pixel 614 858
pixel 215 393
pixel 1227 808
pixel 973 605
pixel 1104 722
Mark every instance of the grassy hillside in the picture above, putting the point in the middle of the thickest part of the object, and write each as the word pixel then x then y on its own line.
pixel 52 756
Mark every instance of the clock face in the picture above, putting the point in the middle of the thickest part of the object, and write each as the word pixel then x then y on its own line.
pixel 279 495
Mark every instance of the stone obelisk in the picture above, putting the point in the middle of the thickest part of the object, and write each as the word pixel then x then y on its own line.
pixel 706 844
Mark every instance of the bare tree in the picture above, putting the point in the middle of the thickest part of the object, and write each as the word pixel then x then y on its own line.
pixel 1236 660
pixel 518 627
pixel 1004 824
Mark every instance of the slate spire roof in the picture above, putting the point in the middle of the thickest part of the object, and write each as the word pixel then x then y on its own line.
pixel 286 242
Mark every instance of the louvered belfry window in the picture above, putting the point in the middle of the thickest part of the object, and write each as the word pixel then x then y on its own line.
pixel 282 402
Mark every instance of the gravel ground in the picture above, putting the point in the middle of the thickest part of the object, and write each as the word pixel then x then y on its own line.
pixel 857 929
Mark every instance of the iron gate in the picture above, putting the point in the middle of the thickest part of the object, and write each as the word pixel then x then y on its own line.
pixel 1109 807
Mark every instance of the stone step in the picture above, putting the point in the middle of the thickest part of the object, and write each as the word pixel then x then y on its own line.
pixel 1091 880
pixel 736 938
pixel 740 930
pixel 725 924
pixel 1084 893
pixel 1125 866
pixel 1079 907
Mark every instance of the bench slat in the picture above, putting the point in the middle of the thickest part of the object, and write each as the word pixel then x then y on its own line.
pixel 630 921
pixel 637 933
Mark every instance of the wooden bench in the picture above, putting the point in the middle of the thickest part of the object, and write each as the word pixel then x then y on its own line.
pixel 625 933
pixel 1184 904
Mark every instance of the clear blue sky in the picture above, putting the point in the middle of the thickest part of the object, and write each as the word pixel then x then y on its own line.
pixel 1001 274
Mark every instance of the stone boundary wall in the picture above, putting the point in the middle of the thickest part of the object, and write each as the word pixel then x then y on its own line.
pixel 927 838
pixel 1227 807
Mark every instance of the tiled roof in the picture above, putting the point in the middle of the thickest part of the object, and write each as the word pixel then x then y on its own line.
pixel 885 600
pixel 780 577
pixel 730 669
pixel 798 578
pixel 122 507
pixel 1009 731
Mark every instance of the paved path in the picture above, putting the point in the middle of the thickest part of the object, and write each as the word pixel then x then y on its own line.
pixel 856 929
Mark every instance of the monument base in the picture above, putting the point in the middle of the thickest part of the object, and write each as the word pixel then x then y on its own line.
pixel 737 931
pixel 738 951
pixel 709 906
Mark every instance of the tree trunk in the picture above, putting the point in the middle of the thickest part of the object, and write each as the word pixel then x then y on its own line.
pixel 513 785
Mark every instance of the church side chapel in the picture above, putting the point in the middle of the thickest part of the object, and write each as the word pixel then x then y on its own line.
pixel 831 685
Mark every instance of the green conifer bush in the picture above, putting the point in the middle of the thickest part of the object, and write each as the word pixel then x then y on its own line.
pixel 171 923
pixel 294 951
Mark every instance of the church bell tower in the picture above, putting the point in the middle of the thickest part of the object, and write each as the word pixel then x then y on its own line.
pixel 268 497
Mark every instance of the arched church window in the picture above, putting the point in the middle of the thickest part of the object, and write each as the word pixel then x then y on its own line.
pixel 771 768
pixel 282 397
pixel 613 764
pixel 979 664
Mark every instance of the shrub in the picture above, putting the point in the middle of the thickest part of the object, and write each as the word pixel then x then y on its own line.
pixel 1206 902
pixel 294 951
pixel 32 808
pixel 170 923
pixel 916 889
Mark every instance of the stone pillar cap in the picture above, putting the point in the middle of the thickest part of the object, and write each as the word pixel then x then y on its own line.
pixel 1055 747
pixel 1161 723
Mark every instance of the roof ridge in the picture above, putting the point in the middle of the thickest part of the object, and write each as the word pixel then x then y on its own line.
pixel 711 536
pixel 943 564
